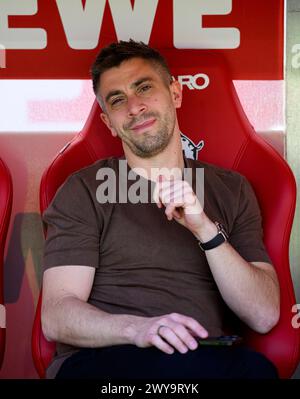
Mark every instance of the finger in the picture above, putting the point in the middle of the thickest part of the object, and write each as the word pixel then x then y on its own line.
pixel 171 211
pixel 176 186
pixel 171 188
pixel 184 195
pixel 185 201
pixel 185 336
pixel 190 204
pixel 165 189
pixel 170 197
pixel 159 343
pixel 170 193
pixel 170 336
pixel 156 198
pixel 191 323
pixel 173 207
pixel 172 185
pixel 177 213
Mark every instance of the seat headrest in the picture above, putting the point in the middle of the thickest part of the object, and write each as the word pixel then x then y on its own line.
pixel 211 116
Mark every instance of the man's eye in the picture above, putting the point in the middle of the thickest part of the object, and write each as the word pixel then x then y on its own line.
pixel 144 88
pixel 116 101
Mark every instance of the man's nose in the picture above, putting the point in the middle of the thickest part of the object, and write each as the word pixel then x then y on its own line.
pixel 135 106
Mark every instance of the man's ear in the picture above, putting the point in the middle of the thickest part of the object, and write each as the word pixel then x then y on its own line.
pixel 106 120
pixel 176 91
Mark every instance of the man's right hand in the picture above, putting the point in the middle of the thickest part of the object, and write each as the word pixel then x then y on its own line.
pixel 66 290
pixel 167 332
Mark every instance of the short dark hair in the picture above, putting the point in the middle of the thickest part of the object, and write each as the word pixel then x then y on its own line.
pixel 114 54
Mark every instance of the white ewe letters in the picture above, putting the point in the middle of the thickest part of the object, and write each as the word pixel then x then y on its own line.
pixel 296 57
pixel 134 23
pixel 2 56
pixel 20 38
pixel 188 30
pixel 82 26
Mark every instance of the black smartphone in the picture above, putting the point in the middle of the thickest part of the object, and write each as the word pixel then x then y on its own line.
pixel 224 340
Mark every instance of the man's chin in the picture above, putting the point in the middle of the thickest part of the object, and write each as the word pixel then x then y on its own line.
pixel 146 146
pixel 148 152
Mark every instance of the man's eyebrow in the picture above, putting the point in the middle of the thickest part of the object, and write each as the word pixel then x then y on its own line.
pixel 140 81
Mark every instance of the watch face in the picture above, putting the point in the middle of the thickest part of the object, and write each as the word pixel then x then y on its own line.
pixel 222 230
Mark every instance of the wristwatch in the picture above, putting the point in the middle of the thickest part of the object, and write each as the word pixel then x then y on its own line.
pixel 221 237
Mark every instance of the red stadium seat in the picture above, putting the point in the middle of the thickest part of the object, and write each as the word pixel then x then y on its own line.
pixel 6 195
pixel 213 118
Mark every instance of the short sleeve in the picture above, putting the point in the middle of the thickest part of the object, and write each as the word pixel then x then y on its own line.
pixel 247 233
pixel 73 227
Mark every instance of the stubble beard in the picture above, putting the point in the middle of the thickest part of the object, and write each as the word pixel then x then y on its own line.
pixel 147 145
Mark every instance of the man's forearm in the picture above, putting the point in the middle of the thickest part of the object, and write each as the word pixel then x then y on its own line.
pixel 75 322
pixel 251 292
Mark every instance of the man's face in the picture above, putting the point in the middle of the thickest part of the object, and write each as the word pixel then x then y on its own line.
pixel 140 106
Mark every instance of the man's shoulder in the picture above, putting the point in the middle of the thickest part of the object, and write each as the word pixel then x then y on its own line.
pixel 213 171
pixel 86 177
pixel 90 170
pixel 88 174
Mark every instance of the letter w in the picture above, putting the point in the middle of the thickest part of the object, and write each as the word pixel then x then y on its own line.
pixel 81 24
pixel 133 23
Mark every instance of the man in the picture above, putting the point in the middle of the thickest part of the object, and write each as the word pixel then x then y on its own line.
pixel 133 289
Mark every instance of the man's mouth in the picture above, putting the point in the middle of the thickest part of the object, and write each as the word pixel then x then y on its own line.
pixel 143 125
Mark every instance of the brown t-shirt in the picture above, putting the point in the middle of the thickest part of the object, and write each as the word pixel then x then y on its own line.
pixel 145 264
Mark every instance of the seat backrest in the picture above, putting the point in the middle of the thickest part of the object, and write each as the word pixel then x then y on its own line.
pixel 213 119
pixel 6 195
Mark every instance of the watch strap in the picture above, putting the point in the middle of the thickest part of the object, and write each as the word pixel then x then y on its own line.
pixel 215 241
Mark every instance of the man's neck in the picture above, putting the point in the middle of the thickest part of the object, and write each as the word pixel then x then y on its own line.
pixel 170 159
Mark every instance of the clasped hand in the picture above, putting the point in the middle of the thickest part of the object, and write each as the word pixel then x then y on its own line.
pixel 181 203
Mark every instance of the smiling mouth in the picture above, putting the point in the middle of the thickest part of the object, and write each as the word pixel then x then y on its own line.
pixel 144 125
